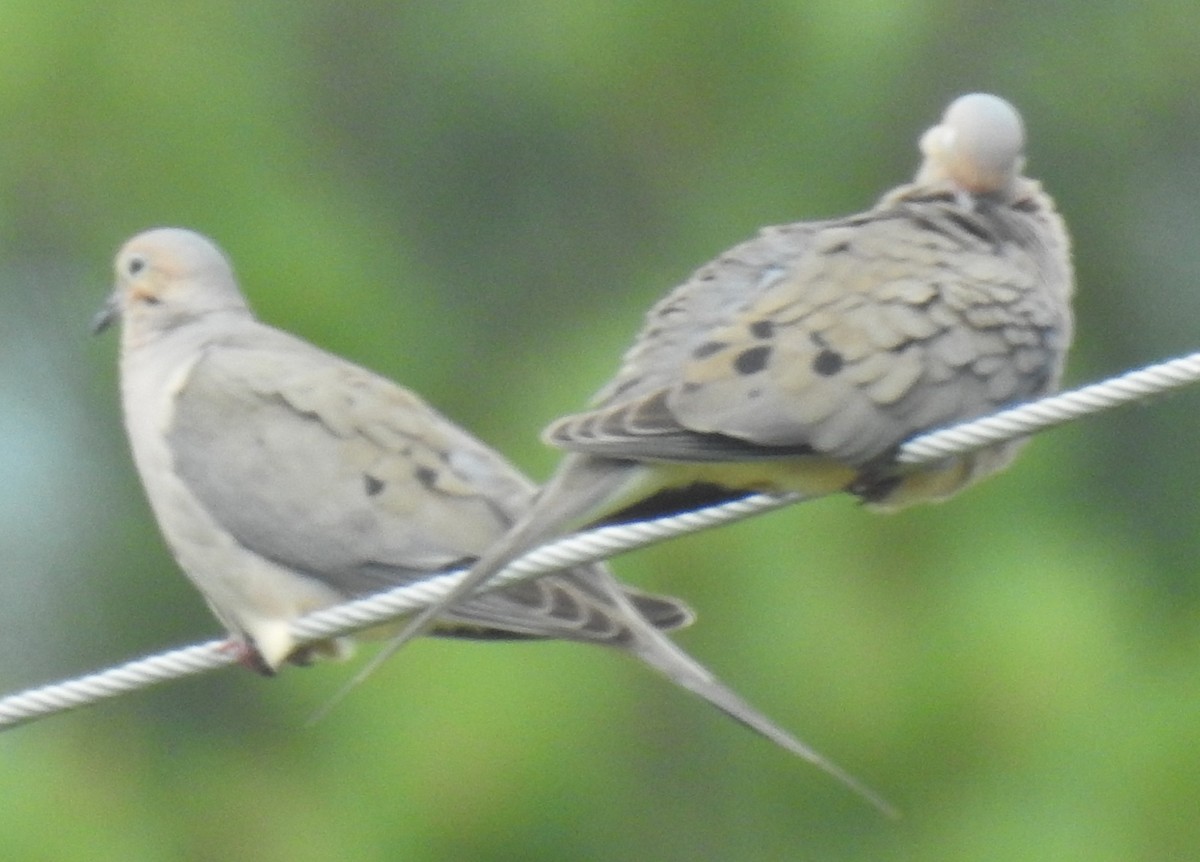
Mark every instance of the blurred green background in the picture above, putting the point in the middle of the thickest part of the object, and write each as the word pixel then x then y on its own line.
pixel 481 200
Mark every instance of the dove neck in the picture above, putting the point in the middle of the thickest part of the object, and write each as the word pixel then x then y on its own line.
pixel 157 327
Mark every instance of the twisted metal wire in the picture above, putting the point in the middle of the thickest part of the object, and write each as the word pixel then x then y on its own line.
pixel 598 544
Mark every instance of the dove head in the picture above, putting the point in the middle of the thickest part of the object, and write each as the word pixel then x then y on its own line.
pixel 168 276
pixel 978 146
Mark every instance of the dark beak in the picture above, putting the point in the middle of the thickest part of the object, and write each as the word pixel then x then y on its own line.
pixel 107 315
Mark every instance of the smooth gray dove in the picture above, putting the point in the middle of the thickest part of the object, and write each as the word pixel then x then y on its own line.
pixel 286 479
pixel 800 360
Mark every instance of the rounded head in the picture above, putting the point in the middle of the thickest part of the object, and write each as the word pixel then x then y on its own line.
pixel 171 274
pixel 979 145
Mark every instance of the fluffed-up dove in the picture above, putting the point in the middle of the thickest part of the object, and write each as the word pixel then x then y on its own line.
pixel 800 360
pixel 286 479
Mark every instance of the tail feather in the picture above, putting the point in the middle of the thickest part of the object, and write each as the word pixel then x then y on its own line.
pixel 584 489
pixel 664 655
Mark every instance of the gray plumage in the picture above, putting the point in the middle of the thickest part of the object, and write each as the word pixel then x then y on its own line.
pixel 286 479
pixel 801 359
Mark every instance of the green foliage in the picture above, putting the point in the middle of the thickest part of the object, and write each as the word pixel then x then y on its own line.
pixel 481 200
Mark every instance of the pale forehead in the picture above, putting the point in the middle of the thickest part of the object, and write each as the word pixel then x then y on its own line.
pixel 173 250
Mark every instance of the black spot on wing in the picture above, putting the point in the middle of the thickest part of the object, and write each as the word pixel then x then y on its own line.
pixel 708 348
pixel 762 329
pixel 372 485
pixel 828 363
pixel 753 360
pixel 427 476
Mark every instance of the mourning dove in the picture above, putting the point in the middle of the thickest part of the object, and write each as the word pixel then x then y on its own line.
pixel 800 360
pixel 286 479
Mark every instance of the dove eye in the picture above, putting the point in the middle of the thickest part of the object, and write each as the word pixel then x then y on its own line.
pixel 136 265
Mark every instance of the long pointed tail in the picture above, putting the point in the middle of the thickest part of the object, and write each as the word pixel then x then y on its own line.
pixel 665 656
